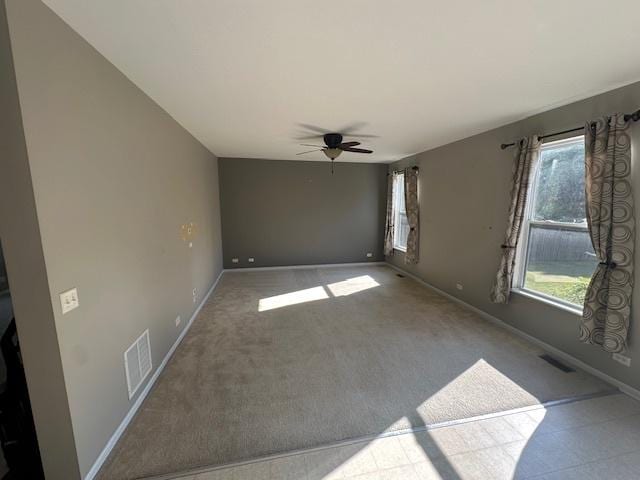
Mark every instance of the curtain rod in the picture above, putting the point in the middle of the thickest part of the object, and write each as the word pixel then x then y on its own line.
pixel 635 116
pixel 415 167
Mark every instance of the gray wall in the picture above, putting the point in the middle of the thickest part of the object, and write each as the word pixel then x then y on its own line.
pixel 24 259
pixel 114 178
pixel 464 197
pixel 297 213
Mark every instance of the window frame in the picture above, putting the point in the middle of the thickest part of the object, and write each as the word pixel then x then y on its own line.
pixel 397 177
pixel 522 253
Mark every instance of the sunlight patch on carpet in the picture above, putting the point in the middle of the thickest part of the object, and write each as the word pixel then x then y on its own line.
pixel 292 298
pixel 352 285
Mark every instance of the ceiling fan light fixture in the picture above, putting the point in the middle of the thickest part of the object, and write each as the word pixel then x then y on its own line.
pixel 332 153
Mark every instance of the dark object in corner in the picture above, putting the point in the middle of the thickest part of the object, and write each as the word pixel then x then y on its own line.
pixel 556 363
pixel 17 430
pixel 400 275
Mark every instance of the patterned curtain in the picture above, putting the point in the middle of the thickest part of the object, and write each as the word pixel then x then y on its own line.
pixel 526 158
pixel 609 198
pixel 388 228
pixel 411 207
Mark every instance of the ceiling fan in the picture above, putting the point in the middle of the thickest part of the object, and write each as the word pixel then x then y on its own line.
pixel 334 146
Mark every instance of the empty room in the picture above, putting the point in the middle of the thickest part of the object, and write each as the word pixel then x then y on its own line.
pixel 319 240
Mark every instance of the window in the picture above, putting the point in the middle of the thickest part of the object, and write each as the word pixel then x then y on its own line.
pixel 556 258
pixel 400 223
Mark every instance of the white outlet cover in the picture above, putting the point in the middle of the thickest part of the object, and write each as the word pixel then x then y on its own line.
pixel 69 300
pixel 234 260
pixel 190 244
pixel 178 320
pixel 251 259
pixel 459 286
pixel 369 254
pixel 623 359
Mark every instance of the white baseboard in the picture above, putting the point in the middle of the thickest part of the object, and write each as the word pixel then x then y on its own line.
pixel 296 267
pixel 632 392
pixel 136 405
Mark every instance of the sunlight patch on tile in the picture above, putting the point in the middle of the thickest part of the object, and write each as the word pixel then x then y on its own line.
pixel 352 285
pixel 292 298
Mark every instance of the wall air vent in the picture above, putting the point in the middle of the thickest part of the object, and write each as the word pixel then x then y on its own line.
pixel 137 362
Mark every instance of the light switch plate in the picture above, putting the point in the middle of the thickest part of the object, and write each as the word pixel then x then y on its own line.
pixel 69 300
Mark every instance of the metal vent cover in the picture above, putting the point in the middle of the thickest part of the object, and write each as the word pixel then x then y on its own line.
pixel 137 362
pixel 556 363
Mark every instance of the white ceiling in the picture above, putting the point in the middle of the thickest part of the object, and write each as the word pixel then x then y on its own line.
pixel 241 75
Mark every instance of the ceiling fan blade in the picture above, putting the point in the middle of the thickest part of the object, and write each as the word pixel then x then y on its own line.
pixel 344 145
pixel 308 145
pixel 357 150
pixel 360 135
pixel 306 136
pixel 351 128
pixel 309 151
pixel 314 128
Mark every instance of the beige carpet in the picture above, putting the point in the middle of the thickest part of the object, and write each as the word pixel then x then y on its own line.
pixel 287 359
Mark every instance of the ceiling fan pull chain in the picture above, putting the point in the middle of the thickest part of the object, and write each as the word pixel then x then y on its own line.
pixel 331 167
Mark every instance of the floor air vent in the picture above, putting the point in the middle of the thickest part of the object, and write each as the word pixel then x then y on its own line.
pixel 556 363
pixel 137 362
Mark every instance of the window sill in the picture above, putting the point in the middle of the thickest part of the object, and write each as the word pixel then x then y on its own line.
pixel 549 301
pixel 400 249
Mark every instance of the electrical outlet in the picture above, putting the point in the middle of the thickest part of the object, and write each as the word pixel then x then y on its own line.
pixel 251 259
pixel 195 294
pixel 234 260
pixel 69 300
pixel 459 286
pixel 623 359
pixel 190 244
pixel 178 320
pixel 369 254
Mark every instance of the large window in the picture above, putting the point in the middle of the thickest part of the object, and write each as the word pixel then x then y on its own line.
pixel 556 259
pixel 400 223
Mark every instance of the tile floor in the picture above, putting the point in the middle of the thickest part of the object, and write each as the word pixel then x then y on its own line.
pixel 589 439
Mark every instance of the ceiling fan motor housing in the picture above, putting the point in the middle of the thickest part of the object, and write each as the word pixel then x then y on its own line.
pixel 332 140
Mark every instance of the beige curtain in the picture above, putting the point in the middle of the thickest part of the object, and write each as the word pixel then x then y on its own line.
pixel 388 228
pixel 526 158
pixel 412 254
pixel 609 197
